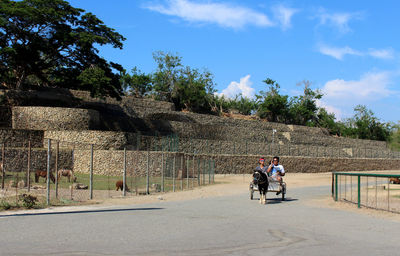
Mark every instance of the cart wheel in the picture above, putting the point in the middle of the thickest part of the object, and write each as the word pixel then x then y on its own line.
pixel 251 194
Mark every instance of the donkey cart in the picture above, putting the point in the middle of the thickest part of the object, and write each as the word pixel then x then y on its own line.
pixel 274 186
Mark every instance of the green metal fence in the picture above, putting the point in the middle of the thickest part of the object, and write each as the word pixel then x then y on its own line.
pixel 369 190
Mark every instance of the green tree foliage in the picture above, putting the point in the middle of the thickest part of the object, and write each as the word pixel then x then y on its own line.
pixel 187 88
pixel 165 78
pixel 137 83
pixel 271 105
pixel 395 137
pixel 194 90
pixel 243 105
pixel 51 43
pixel 303 109
pixel 364 125
pixel 327 120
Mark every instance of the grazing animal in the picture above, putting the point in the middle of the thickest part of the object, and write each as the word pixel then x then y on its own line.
pixel 120 185
pixel 67 173
pixel 43 174
pixel 395 180
pixel 261 180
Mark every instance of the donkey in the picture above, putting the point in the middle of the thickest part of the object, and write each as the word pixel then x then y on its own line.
pixel 261 180
pixel 67 173
pixel 120 185
pixel 43 174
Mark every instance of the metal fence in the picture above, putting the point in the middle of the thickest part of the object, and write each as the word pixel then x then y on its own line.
pixel 24 172
pixel 368 190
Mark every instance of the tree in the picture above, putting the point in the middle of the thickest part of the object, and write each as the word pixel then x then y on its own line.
pixel 395 137
pixel 272 105
pixel 364 125
pixel 51 42
pixel 243 105
pixel 187 88
pixel 166 76
pixel 138 84
pixel 194 90
pixel 303 108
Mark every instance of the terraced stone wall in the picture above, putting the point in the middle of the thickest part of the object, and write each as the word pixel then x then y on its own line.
pixel 16 160
pixel 20 138
pixel 51 118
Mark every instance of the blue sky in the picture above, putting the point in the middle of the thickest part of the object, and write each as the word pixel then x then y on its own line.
pixel 348 49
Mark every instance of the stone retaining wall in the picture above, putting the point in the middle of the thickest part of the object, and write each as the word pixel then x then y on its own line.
pixel 83 139
pixel 51 118
pixel 20 138
pixel 16 160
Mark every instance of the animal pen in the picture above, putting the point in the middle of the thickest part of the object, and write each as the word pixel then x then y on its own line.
pixel 369 190
pixel 139 169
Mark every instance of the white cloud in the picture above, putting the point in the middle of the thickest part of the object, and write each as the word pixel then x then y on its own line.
pixel 337 53
pixel 235 88
pixel 284 15
pixel 381 53
pixel 222 14
pixel 371 86
pixel 340 52
pixel 337 20
pixel 341 96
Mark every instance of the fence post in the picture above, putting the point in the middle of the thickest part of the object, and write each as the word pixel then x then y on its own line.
pixel 187 172
pixel 124 177
pixel 336 187
pixel 209 171
pixel 388 189
pixel 173 173
pixel 162 170
pixel 3 149
pixel 182 168
pixel 91 172
pixel 28 180
pixel 359 191
pixel 204 171
pixel 193 172
pixel 147 172
pixel 48 171
pixel 198 171
pixel 56 167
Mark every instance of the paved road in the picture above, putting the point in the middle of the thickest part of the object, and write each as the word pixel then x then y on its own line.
pixel 231 225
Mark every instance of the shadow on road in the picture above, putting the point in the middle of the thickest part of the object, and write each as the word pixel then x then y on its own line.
pixel 82 211
pixel 278 200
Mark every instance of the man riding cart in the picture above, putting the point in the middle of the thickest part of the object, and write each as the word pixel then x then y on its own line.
pixel 275 172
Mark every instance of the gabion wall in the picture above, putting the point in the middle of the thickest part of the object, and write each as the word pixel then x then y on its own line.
pixel 51 118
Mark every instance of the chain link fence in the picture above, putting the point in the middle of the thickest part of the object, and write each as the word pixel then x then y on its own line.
pixel 79 172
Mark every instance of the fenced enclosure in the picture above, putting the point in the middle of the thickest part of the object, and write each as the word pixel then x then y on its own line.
pixel 370 190
pixel 80 172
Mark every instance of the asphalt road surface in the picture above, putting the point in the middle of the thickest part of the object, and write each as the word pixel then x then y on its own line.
pixel 232 225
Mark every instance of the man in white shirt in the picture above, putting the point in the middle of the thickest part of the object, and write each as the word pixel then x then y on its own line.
pixel 276 170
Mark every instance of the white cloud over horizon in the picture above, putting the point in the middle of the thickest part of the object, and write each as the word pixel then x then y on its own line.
pixel 222 14
pixel 341 96
pixel 243 87
pixel 340 52
pixel 371 86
